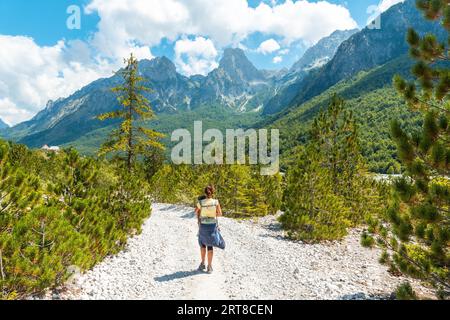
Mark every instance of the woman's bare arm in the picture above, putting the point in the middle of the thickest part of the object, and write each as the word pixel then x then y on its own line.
pixel 219 210
pixel 197 213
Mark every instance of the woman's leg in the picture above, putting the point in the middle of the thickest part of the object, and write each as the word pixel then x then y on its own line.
pixel 203 254
pixel 210 256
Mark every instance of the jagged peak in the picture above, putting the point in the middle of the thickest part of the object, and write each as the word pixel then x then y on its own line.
pixel 234 56
pixel 159 68
pixel 158 62
pixel 235 61
pixel 347 31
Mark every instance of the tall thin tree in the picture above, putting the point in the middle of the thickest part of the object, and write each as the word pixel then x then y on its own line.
pixel 131 138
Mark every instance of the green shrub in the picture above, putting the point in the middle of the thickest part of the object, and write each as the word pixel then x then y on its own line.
pixel 367 241
pixel 405 292
pixel 63 210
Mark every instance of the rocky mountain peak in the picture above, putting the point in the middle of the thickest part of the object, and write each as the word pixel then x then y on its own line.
pixel 236 65
pixel 323 51
pixel 158 69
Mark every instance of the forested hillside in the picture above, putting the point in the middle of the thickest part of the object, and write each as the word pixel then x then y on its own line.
pixel 365 50
pixel 374 102
pixel 212 117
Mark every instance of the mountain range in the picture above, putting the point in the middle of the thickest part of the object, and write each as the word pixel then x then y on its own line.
pixel 364 50
pixel 355 63
pixel 236 86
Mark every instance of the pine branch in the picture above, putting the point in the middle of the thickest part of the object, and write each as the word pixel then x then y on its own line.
pixel 426 273
pixel 432 105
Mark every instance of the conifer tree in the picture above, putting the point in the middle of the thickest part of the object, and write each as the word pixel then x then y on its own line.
pixel 327 188
pixel 131 138
pixel 336 133
pixel 259 205
pixel 153 161
pixel 236 193
pixel 419 231
pixel 273 191
pixel 18 191
pixel 61 210
pixel 312 211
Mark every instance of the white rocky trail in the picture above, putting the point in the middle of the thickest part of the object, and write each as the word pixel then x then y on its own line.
pixel 258 263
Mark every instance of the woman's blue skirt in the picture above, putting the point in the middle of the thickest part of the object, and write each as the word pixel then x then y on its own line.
pixel 206 235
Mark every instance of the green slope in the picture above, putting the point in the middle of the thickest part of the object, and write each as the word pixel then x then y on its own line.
pixel 375 103
pixel 216 117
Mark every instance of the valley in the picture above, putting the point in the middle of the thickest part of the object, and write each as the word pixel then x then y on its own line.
pixel 97 193
pixel 354 64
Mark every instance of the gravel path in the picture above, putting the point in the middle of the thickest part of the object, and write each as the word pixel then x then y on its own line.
pixel 258 263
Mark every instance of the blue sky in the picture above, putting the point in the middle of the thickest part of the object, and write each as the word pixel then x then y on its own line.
pixel 52 61
pixel 45 22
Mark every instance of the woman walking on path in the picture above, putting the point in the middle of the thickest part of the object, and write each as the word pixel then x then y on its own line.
pixel 208 210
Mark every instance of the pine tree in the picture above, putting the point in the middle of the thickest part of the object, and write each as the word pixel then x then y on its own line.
pixel 153 161
pixel 62 210
pixel 18 191
pixel 336 133
pixel 327 188
pixel 312 211
pixel 419 231
pixel 272 190
pixel 131 138
pixel 235 191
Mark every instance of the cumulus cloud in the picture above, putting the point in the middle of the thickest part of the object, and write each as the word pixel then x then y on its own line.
pixel 277 59
pixel 30 75
pixel 146 22
pixel 196 56
pixel 135 25
pixel 386 4
pixel 11 113
pixel 268 46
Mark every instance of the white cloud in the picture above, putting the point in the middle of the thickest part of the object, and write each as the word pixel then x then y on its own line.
pixel 278 59
pixel 31 75
pixel 133 25
pixel 268 46
pixel 146 22
pixel 284 52
pixel 196 56
pixel 11 114
pixel 386 4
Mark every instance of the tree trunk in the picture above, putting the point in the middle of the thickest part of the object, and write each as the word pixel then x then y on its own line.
pixel 130 137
